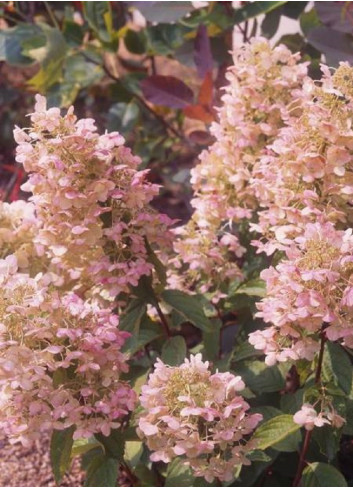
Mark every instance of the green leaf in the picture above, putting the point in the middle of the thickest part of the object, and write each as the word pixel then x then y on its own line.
pixel 258 456
pixel 83 445
pixel 274 431
pixel 348 426
pixel 123 117
pixel 164 39
pixel 211 340
pixel 178 474
pixel 114 444
pixel 102 472
pixel 174 351
pixel 254 9
pixel 135 42
pixel 309 20
pixel 60 451
pixel 245 350
pixel 160 269
pixel 270 23
pixel 260 378
pixel 96 15
pixel 149 330
pixel 189 307
pixel 337 367
pixel 11 43
pixel 291 442
pixel 255 287
pixel 319 474
pixel 328 440
pixel 51 57
pixel 131 320
pixel 133 452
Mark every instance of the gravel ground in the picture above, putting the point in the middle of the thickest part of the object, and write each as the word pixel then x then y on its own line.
pixel 26 467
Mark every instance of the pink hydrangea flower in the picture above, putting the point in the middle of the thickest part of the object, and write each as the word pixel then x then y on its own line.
pixel 92 204
pixel 308 417
pixel 60 361
pixel 189 412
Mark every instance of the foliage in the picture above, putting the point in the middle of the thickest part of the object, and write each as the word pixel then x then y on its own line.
pixel 234 329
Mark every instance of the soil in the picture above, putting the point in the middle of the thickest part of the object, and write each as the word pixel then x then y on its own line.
pixel 30 467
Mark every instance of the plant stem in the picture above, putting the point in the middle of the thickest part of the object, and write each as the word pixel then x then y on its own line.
pixel 51 15
pixel 305 447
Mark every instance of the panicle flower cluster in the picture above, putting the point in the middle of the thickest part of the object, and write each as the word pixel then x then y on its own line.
pixel 18 228
pixel 263 83
pixel 60 360
pixel 308 417
pixel 308 172
pixel 192 413
pixel 96 224
pixel 314 285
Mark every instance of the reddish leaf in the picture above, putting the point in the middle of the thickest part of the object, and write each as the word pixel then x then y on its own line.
pixel 167 90
pixel 203 54
pixel 203 138
pixel 206 90
pixel 199 112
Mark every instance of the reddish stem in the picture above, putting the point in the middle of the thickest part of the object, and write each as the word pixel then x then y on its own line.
pixel 305 447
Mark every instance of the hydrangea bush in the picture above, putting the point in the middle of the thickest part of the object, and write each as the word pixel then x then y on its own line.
pixel 98 290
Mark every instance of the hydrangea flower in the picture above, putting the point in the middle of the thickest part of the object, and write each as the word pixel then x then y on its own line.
pixel 314 285
pixel 96 224
pixel 18 227
pixel 261 85
pixel 60 361
pixel 308 417
pixel 189 412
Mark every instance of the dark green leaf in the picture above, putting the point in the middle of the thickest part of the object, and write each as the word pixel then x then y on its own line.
pixel 132 319
pixel 319 474
pixel 60 451
pixel 254 9
pixel 309 20
pixel 102 472
pixel 174 351
pixel 189 307
pixel 149 331
pixel 98 16
pixel 135 41
pixel 337 366
pixel 114 444
pixel 245 350
pixel 211 340
pixel 294 9
pixel 328 440
pixel 123 117
pixel 270 23
pixel 261 378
